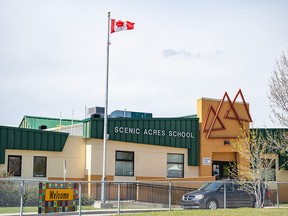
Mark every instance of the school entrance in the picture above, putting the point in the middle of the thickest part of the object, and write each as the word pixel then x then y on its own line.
pixel 223 169
pixel 223 164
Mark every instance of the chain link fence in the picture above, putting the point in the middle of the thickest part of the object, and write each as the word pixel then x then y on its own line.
pixel 121 196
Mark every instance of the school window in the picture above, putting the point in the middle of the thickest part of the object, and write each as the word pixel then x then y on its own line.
pixel 124 163
pixel 269 169
pixel 14 165
pixel 175 166
pixel 39 166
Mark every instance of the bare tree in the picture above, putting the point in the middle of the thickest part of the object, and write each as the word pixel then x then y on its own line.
pixel 278 94
pixel 258 150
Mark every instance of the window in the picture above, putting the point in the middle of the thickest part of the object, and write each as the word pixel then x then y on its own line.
pixel 175 166
pixel 39 166
pixel 124 163
pixel 268 166
pixel 14 165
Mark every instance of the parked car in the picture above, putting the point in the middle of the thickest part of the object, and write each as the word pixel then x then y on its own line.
pixel 211 196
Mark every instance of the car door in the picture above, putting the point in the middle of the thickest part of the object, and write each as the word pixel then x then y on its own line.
pixel 230 195
pixel 230 202
pixel 242 197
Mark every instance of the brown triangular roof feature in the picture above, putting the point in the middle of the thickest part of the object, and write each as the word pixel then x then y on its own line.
pixel 232 107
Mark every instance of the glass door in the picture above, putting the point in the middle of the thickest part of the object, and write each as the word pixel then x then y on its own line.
pixel 223 169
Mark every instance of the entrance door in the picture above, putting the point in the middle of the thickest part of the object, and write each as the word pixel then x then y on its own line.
pixel 223 169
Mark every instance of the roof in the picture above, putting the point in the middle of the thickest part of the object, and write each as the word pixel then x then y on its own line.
pixel 35 122
pixel 29 139
pixel 190 116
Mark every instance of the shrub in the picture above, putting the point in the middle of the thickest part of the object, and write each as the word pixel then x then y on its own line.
pixel 86 200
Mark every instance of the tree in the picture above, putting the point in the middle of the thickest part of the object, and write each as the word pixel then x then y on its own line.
pixel 278 94
pixel 258 149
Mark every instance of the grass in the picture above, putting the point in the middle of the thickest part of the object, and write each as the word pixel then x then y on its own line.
pixel 11 210
pixel 222 212
pixel 204 212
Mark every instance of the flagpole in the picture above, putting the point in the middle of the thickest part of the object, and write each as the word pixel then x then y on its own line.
pixel 103 191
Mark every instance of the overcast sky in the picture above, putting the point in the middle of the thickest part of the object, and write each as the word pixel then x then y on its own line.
pixel 53 55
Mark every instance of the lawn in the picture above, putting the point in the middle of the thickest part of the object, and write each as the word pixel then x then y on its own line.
pixel 222 212
pixel 11 210
pixel 204 212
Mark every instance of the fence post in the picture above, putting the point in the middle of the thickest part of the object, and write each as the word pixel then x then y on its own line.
pixel 80 197
pixel 277 188
pixel 170 195
pixel 224 195
pixel 118 197
pixel 152 193
pixel 21 197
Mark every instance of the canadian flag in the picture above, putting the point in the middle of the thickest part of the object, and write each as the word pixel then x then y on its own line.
pixel 119 25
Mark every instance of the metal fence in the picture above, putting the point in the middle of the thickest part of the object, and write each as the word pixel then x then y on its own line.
pixel 122 196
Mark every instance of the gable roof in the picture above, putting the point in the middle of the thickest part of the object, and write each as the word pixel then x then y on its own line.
pixel 35 122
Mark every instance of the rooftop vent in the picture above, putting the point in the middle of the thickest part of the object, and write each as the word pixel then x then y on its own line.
pixel 96 112
pixel 43 127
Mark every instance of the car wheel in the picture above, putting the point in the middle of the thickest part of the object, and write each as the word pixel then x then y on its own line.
pixel 212 204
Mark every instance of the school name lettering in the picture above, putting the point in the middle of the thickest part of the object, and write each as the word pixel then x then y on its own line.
pixel 153 132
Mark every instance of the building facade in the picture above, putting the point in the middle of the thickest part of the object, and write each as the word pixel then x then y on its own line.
pixel 196 147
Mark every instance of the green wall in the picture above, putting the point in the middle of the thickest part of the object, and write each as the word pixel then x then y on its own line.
pixel 28 139
pixel 169 132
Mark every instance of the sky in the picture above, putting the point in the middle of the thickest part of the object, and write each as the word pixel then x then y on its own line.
pixel 53 55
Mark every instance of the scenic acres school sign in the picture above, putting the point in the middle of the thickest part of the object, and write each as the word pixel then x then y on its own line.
pixel 163 131
pixel 153 132
pixel 169 132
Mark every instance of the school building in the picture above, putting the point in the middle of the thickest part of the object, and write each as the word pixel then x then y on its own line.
pixel 139 146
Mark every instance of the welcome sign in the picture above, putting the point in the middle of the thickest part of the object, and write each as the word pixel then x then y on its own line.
pixel 59 194
pixel 58 197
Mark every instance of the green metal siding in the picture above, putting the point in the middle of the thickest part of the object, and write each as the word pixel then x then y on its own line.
pixel 27 139
pixel 275 132
pixel 283 162
pixel 158 132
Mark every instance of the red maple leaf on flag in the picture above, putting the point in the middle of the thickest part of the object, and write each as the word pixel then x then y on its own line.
pixel 119 25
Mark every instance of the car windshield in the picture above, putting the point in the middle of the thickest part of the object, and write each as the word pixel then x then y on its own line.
pixel 210 186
